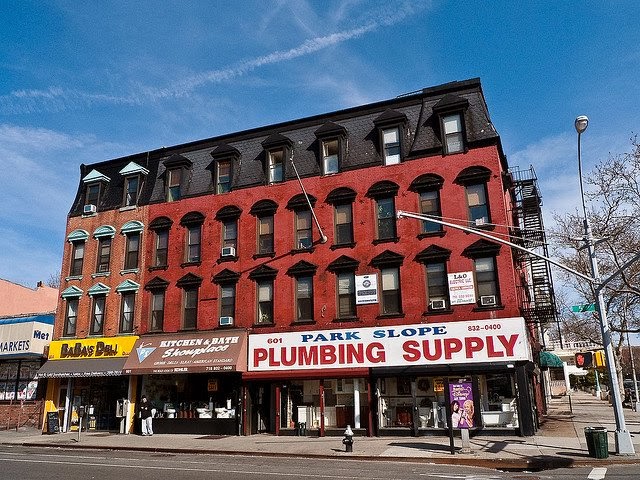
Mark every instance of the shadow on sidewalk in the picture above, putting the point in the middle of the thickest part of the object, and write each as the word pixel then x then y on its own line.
pixel 422 446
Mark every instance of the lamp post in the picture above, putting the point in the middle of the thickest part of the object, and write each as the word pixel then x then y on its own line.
pixel 624 444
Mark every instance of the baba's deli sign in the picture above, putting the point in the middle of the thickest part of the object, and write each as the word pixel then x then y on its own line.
pixel 422 344
pixel 103 347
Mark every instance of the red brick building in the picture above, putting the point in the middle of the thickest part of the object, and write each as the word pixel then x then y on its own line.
pixel 258 313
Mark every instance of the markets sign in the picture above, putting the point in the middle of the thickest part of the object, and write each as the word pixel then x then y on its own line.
pixel 461 288
pixel 99 347
pixel 25 335
pixel 477 341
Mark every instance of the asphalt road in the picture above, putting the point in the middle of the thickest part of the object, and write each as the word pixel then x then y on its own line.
pixel 31 463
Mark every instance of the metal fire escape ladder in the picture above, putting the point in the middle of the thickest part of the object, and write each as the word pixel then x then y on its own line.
pixel 537 280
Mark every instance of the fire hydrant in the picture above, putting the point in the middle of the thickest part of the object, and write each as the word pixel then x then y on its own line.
pixel 348 439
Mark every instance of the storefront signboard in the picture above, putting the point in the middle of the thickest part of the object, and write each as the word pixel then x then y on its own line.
pixel 366 289
pixel 99 347
pixel 189 352
pixel 25 335
pixel 493 340
pixel 461 288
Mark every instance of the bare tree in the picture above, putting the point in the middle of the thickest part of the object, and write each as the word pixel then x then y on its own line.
pixel 54 280
pixel 613 195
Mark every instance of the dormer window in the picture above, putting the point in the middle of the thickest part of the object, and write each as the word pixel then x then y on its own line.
pixel 332 142
pixel 94 182
pixel 391 145
pixel 391 127
pixel 277 148
pixel 174 184
pixel 222 167
pixel 132 181
pixel 452 128
pixel 275 165
pixel 175 176
pixel 450 110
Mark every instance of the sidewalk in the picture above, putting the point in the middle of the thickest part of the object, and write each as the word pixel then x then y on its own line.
pixel 560 442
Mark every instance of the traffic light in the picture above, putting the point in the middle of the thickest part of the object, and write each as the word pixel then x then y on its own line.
pixel 584 359
pixel 599 359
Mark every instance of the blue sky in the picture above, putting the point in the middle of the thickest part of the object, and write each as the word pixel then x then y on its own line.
pixel 82 82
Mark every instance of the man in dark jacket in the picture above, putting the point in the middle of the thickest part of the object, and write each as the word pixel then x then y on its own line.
pixel 147 416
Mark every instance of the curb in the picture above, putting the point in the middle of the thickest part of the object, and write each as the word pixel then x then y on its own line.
pixel 532 464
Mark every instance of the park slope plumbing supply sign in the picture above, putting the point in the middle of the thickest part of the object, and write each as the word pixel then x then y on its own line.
pixel 477 341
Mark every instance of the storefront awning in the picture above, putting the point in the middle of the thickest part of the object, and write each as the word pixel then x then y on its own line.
pixel 223 351
pixel 548 359
pixel 86 367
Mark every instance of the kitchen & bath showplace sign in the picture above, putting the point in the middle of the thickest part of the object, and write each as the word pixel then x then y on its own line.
pixel 478 341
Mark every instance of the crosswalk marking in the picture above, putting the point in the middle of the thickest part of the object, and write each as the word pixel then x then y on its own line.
pixel 597 473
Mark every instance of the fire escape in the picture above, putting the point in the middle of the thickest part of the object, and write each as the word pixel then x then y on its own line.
pixel 538 299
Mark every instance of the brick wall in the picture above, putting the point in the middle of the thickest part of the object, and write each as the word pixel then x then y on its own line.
pixel 21 414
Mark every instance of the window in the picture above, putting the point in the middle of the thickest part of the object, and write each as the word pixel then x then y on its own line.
pixel 157 310
pixel 304 298
pixel 127 312
pixel 430 205
pixel 344 224
pixel 193 243
pixel 223 176
pixel 265 301
pixel 477 204
pixel 174 183
pixel 230 233
pixel 161 248
pixel 275 165
pixel 391 291
pixel 190 308
pixel 227 300
pixel 132 251
pixel 346 295
pixel 386 218
pixel 330 156
pixel 77 258
pixel 93 194
pixel 71 317
pixel 265 235
pixel 131 190
pixel 303 229
pixel 437 286
pixel 391 145
pixel 97 319
pixel 104 254
pixel 452 128
pixel 486 281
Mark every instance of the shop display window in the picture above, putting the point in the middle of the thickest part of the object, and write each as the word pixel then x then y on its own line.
pixel 192 396
pixel 498 401
pixel 395 402
pixel 300 403
pixel 17 380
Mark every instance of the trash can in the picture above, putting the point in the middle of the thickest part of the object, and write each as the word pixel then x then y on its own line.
pixel 588 434
pixel 600 442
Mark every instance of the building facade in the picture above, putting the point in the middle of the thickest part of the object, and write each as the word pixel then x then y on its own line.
pixel 26 328
pixel 276 290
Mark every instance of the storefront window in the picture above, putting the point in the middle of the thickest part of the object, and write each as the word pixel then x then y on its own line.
pixel 345 403
pixel 17 380
pixel 498 403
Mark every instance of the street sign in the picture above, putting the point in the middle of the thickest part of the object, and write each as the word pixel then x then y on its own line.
pixel 587 307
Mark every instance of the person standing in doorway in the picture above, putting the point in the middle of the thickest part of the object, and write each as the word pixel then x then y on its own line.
pixel 146 415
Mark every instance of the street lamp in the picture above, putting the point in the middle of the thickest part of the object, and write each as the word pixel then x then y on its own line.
pixel 624 445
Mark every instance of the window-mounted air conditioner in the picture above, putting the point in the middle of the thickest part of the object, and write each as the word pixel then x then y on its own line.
pixel 438 304
pixel 89 209
pixel 487 300
pixel 480 221
pixel 228 252
pixel 226 321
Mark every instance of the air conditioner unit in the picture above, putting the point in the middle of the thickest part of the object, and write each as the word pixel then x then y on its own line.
pixel 226 321
pixel 438 304
pixel 487 300
pixel 480 221
pixel 228 252
pixel 89 209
